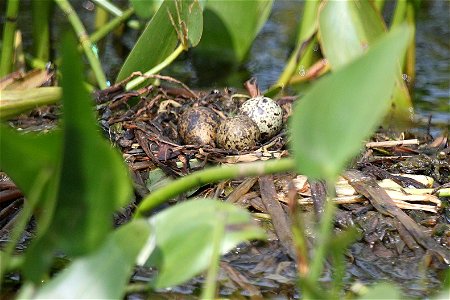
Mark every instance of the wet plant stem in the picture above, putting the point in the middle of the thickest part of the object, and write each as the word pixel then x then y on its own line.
pixel 212 175
pixel 85 42
pixel 324 235
pixel 302 56
pixel 169 59
pixel 209 288
pixel 110 7
pixel 9 31
pixel 41 12
pixel 110 26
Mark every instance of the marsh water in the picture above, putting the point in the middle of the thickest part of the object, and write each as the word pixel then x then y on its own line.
pixel 273 44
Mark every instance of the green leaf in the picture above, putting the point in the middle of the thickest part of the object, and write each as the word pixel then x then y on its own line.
pixel 194 17
pixel 231 26
pixel 93 181
pixel 347 29
pixel 104 273
pixel 184 233
pixel 160 37
pixel 145 8
pixel 331 121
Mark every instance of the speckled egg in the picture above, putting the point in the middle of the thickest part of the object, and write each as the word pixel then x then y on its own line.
pixel 237 133
pixel 198 126
pixel 266 113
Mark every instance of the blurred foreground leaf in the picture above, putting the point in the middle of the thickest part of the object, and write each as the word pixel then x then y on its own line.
pixel 331 121
pixel 102 274
pixel 26 154
pixel 93 180
pixel 184 234
pixel 346 30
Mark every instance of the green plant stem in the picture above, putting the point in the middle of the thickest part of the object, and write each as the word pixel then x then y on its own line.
pixel 14 102
pixel 300 242
pixel 111 8
pixel 379 5
pixel 410 58
pixel 35 63
pixel 212 175
pixel 302 54
pixel 399 13
pixel 296 61
pixel 111 25
pixel 209 288
pixel 9 31
pixel 443 192
pixel 101 19
pixel 169 59
pixel 84 41
pixel 324 235
pixel 41 28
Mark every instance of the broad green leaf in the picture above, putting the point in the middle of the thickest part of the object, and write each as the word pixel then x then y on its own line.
pixel 145 8
pixel 104 273
pixel 194 17
pixel 347 29
pixel 160 38
pixel 331 121
pixel 231 26
pixel 184 233
pixel 93 179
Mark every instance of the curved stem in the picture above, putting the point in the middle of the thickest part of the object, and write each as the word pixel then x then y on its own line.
pixel 108 27
pixel 169 59
pixel 211 175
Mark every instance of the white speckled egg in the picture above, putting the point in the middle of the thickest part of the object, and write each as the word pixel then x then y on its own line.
pixel 237 133
pixel 266 113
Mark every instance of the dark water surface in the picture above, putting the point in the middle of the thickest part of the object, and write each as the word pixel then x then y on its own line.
pixel 432 87
pixel 272 47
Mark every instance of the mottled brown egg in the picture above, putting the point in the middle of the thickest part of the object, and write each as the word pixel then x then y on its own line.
pixel 237 133
pixel 198 126
pixel 266 113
